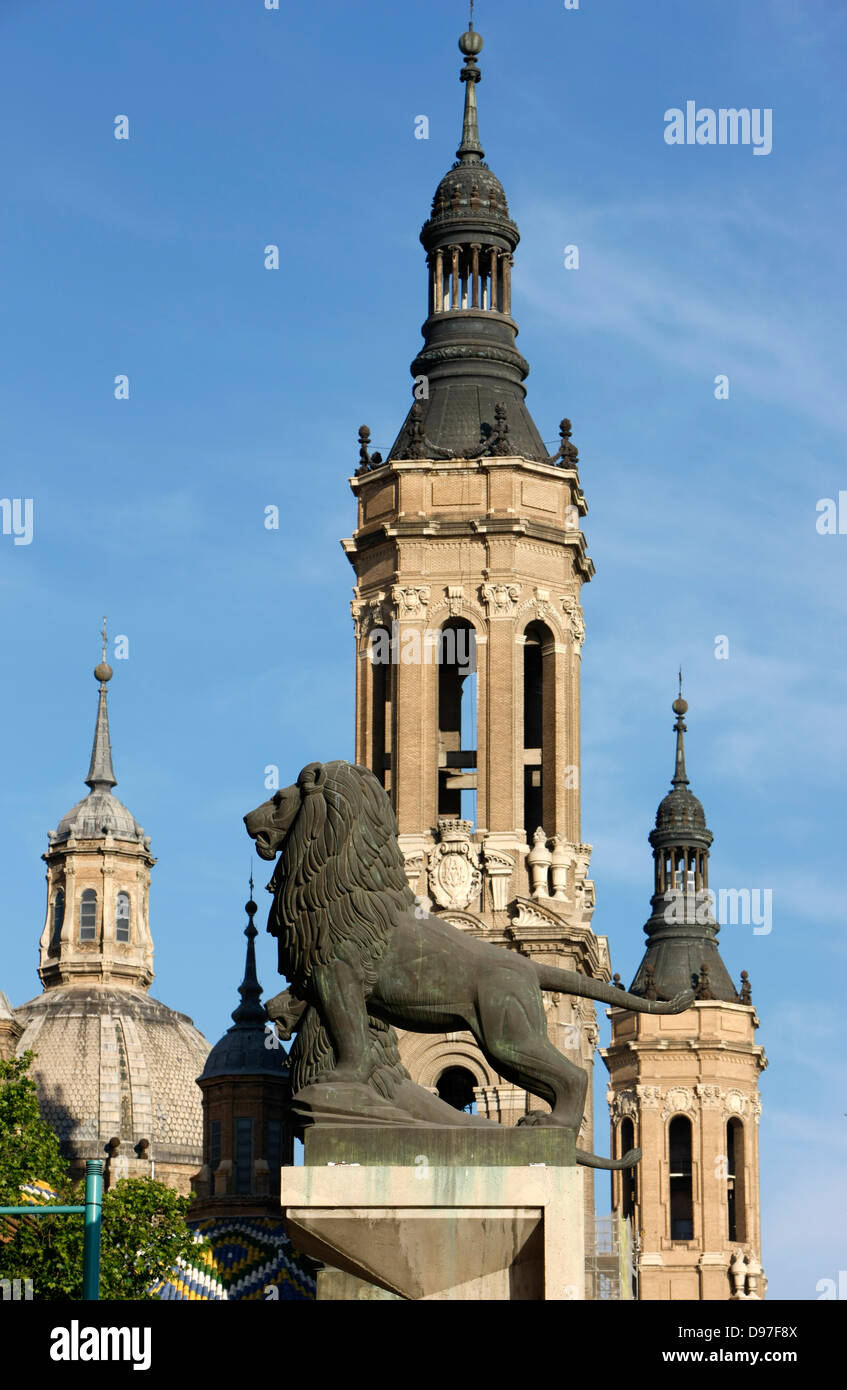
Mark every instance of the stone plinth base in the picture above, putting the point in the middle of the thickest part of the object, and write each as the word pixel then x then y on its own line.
pixel 440 1214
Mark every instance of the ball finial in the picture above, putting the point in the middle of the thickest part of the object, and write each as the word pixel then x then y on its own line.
pixel 470 43
pixel 680 706
pixel 103 672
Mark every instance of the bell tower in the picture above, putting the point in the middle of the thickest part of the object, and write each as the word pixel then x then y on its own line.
pixel 469 563
pixel 684 1087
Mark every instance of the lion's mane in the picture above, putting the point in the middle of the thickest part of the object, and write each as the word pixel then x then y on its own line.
pixel 339 888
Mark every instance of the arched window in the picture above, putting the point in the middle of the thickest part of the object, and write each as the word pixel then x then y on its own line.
pixel 628 1192
pixel 457 720
pixel 58 918
pixel 538 712
pixel 379 656
pixel 88 915
pixel 456 1087
pixel 122 917
pixel 681 1199
pixel 736 1204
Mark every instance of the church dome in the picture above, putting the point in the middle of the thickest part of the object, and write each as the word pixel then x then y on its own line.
pixel 98 814
pixel 113 1062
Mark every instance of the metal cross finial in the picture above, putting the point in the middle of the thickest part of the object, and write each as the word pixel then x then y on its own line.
pixel 251 882
pixel 470 23
pixel 680 682
pixel 103 635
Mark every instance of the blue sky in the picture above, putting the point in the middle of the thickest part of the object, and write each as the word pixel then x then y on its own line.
pixel 247 387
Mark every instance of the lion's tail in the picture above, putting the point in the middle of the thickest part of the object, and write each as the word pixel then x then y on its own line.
pixel 570 982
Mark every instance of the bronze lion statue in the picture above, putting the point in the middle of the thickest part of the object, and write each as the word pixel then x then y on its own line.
pixel 360 956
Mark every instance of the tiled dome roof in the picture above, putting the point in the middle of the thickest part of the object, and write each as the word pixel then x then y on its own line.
pixel 114 1062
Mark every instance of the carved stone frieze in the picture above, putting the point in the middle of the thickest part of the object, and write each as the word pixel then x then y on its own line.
pixel 649 1096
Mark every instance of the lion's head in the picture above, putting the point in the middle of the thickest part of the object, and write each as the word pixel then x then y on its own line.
pixel 340 882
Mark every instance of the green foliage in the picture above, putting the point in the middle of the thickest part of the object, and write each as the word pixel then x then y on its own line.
pixel 143 1231
pixel 29 1148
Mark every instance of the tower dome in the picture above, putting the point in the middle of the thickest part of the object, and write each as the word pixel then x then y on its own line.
pixel 115 1069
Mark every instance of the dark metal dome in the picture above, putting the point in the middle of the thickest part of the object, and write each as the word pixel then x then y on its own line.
pixel 680 810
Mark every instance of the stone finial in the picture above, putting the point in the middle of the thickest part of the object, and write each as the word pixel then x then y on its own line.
pixel 745 995
pixel 617 982
pixel 417 436
pixel 559 864
pixel 539 860
pixel 704 988
pixel 366 459
pixel 650 991
pixel 567 454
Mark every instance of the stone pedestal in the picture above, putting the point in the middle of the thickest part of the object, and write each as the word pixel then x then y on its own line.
pixel 440 1214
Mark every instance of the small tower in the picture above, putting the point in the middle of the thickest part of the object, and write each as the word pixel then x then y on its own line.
pixel 98 861
pixel 684 1087
pixel 247 1137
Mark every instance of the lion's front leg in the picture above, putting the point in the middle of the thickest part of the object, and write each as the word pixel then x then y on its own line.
pixel 341 1000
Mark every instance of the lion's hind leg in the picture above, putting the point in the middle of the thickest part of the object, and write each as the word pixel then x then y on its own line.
pixel 512 1033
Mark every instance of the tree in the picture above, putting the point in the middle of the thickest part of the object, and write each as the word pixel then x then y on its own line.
pixel 144 1230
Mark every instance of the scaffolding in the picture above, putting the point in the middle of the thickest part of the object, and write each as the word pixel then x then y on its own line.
pixel 609 1259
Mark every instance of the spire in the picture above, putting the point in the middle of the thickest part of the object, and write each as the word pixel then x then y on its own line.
pixel 250 1012
pixel 470 151
pixel 101 774
pixel 680 709
pixel 682 950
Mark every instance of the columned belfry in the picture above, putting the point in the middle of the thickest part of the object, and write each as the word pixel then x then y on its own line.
pixel 469 562
pixel 684 1087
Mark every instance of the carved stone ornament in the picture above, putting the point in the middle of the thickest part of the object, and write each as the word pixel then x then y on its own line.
pixel 678 1099
pixel 411 602
pixel 455 599
pixel 710 1097
pixel 499 868
pixel 413 868
pixel 368 613
pixel 622 1103
pixel 573 612
pixel 455 877
pixel 649 1096
pixel 500 599
pixel 541 602
pixel 735 1103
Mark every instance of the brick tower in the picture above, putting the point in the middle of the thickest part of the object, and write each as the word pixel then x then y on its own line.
pixel 684 1087
pixel 469 562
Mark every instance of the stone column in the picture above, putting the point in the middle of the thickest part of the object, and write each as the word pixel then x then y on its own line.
pixel 438 301
pixel 507 263
pixel 492 303
pixel 454 292
pixel 475 249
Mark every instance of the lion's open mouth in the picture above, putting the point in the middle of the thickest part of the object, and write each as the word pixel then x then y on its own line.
pixel 263 846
